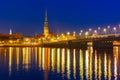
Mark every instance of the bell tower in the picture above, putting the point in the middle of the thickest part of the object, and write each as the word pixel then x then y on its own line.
pixel 46 29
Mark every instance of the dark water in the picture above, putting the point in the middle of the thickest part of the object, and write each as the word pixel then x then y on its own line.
pixel 36 63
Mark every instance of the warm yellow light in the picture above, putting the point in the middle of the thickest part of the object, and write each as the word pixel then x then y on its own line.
pixel 86 33
pixel 95 31
pixel 74 33
pixel 104 29
pixel 114 28
pixel 81 31
pixel 68 33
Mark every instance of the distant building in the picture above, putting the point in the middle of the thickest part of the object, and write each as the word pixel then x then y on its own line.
pixel 10 33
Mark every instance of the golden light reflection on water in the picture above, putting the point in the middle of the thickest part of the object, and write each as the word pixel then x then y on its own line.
pixel 115 50
pixel 105 66
pixel 74 63
pixel 43 59
pixel 17 57
pixel 49 58
pixel 53 59
pixel 40 57
pixel 63 61
pixel 26 58
pixel 36 51
pixel 81 64
pixel 90 49
pixel 69 63
pixel 109 68
pixel 87 64
pixel 58 60
pixel 10 59
pixel 96 62
pixel 99 67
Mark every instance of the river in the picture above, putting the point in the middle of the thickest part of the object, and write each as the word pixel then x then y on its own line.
pixel 39 63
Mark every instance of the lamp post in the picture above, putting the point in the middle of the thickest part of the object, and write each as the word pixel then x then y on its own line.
pixel 114 30
pixel 90 31
pixel 99 30
pixel 108 27
pixel 68 33
pixel 74 33
pixel 86 34
pixel 95 31
pixel 105 30
pixel 81 31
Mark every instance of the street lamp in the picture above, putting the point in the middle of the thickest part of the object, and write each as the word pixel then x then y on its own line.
pixel 95 31
pixel 81 31
pixel 105 30
pixel 108 27
pixel 74 33
pixel 99 30
pixel 86 33
pixel 90 31
pixel 68 33
pixel 114 29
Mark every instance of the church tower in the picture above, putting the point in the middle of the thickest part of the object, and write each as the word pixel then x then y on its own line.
pixel 46 29
pixel 10 33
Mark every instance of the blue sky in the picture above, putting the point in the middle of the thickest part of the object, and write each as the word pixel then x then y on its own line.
pixel 27 16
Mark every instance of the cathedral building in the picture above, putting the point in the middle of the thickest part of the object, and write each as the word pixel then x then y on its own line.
pixel 46 33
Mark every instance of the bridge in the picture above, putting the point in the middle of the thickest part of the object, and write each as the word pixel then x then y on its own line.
pixel 98 41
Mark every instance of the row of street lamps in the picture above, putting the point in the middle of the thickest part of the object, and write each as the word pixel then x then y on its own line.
pixel 98 31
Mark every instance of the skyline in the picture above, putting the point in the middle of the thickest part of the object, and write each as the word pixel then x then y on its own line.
pixel 28 16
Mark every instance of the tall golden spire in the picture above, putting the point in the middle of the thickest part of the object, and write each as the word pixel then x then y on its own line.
pixel 46 29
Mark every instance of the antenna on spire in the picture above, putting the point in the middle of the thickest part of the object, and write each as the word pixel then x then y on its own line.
pixel 46 15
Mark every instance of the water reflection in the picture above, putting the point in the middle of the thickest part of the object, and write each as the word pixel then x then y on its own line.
pixel 10 60
pixel 58 60
pixel 81 65
pixel 115 49
pixel 61 63
pixel 74 63
pixel 68 63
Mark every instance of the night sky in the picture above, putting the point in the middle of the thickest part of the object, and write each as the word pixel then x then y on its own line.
pixel 63 15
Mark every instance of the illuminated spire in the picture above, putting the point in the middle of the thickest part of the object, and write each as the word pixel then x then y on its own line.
pixel 10 32
pixel 46 29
